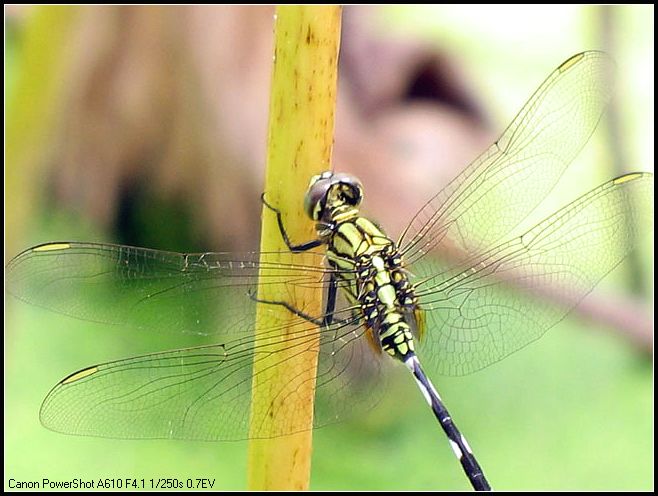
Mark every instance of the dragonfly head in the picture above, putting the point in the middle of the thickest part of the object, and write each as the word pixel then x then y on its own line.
pixel 329 191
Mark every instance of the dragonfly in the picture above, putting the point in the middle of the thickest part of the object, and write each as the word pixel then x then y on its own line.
pixel 464 286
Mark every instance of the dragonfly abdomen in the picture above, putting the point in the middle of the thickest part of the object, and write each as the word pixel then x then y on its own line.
pixel 396 337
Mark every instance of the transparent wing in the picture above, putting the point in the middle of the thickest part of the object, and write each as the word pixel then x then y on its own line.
pixel 139 288
pixel 505 184
pixel 205 393
pixel 497 302
pixel 202 392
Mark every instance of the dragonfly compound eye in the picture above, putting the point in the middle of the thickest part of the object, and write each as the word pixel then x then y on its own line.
pixel 331 189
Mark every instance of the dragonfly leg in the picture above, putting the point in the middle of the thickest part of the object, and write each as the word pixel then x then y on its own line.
pixel 331 301
pixel 326 320
pixel 290 308
pixel 295 248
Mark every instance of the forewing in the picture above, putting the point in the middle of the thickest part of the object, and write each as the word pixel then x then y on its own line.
pixel 142 289
pixel 505 184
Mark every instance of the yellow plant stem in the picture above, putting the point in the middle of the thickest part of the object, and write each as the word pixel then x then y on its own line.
pixel 300 139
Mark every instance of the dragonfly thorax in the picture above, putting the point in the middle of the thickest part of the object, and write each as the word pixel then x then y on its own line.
pixel 370 272
pixel 367 262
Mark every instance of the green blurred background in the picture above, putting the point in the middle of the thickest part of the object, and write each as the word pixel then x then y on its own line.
pixel 117 131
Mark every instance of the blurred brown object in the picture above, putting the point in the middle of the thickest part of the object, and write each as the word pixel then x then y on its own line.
pixel 176 99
